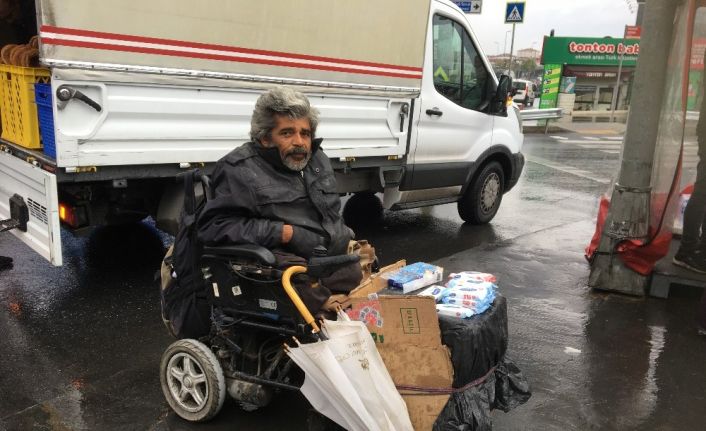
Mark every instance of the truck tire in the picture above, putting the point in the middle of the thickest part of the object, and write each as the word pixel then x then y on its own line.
pixel 482 198
pixel 363 209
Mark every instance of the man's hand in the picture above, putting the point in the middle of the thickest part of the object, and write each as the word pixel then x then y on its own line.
pixel 303 241
pixel 287 233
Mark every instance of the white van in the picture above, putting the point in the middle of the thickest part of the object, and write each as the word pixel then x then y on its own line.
pixel 525 91
pixel 142 90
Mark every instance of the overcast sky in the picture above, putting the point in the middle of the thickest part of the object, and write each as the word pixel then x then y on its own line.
pixel 590 18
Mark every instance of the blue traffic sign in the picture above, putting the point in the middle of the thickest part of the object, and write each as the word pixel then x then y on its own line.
pixel 515 12
pixel 464 5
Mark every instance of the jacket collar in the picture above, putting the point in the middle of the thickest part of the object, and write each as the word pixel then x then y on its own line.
pixel 271 154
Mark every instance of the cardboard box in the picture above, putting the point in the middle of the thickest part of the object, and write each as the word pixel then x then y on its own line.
pixel 406 331
pixel 399 319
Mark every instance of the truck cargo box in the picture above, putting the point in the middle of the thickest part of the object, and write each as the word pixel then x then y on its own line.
pixel 365 42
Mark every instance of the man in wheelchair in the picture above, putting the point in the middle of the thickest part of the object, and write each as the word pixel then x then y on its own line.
pixel 271 208
pixel 279 191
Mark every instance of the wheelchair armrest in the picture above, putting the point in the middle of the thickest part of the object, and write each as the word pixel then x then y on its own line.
pixel 244 251
pixel 324 266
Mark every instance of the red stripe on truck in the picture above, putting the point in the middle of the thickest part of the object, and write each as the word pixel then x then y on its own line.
pixel 143 50
pixel 198 45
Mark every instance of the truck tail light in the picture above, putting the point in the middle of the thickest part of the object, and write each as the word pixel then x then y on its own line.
pixel 74 216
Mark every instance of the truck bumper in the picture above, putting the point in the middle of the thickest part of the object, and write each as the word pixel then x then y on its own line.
pixel 518 162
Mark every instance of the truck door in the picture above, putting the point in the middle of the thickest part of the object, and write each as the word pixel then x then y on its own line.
pixel 28 195
pixel 452 129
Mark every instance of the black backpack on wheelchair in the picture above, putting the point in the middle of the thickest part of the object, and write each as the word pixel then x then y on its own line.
pixel 185 308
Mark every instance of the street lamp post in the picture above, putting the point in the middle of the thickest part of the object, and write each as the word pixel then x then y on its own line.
pixel 505 48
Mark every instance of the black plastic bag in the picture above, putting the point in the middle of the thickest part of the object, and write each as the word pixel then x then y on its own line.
pixel 484 378
pixel 477 344
pixel 469 410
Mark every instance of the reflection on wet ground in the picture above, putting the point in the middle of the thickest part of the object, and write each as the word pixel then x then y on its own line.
pixel 81 344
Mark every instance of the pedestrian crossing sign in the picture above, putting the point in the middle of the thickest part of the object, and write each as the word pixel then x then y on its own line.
pixel 514 12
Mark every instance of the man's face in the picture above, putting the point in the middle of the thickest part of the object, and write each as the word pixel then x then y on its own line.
pixel 292 137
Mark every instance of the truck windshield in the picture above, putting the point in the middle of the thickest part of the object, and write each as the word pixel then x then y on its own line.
pixel 519 85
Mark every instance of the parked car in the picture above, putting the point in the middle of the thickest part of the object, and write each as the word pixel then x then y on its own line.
pixel 525 92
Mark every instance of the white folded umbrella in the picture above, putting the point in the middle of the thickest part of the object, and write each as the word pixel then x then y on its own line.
pixel 387 396
pixel 347 381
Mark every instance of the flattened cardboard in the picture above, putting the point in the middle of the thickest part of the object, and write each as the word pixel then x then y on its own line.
pixel 422 366
pixel 424 409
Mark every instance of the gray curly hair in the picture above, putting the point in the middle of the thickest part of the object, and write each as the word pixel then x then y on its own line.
pixel 280 101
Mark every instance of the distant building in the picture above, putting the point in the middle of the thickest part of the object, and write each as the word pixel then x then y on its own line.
pixel 527 53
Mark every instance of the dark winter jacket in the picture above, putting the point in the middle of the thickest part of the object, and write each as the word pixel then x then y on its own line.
pixel 255 195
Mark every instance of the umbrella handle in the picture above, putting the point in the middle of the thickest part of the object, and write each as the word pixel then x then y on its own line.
pixel 294 296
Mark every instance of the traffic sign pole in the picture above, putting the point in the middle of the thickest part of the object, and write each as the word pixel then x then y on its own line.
pixel 512 45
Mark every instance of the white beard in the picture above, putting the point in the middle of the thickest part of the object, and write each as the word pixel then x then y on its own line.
pixel 294 165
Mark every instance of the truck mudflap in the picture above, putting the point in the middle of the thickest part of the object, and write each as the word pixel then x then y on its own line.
pixel 29 206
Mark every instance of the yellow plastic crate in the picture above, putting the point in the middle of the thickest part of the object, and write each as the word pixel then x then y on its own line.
pixel 18 110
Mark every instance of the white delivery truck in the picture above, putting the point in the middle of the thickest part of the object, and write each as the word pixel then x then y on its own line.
pixel 142 90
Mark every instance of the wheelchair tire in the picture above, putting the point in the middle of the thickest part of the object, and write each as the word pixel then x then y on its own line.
pixel 192 380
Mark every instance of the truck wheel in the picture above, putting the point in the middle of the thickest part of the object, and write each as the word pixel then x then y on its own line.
pixel 362 209
pixel 527 101
pixel 192 380
pixel 483 196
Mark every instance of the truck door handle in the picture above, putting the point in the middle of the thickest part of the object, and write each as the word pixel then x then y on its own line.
pixel 434 111
pixel 66 93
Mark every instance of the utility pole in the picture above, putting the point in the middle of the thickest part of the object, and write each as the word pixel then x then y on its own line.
pixel 505 49
pixel 638 22
pixel 640 11
pixel 628 216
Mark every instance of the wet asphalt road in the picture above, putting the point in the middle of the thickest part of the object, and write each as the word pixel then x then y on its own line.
pixel 80 345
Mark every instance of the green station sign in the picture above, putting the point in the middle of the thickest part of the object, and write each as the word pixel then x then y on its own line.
pixel 550 86
pixel 590 51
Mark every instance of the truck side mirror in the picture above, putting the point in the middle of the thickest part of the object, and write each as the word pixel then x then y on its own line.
pixel 501 95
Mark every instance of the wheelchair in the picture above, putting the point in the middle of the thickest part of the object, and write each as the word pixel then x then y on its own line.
pixel 255 312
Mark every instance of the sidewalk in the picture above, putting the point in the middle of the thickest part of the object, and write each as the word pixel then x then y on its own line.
pixel 579 128
pixel 592 128
pixel 595 360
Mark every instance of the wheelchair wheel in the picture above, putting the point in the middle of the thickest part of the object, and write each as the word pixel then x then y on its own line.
pixel 192 380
